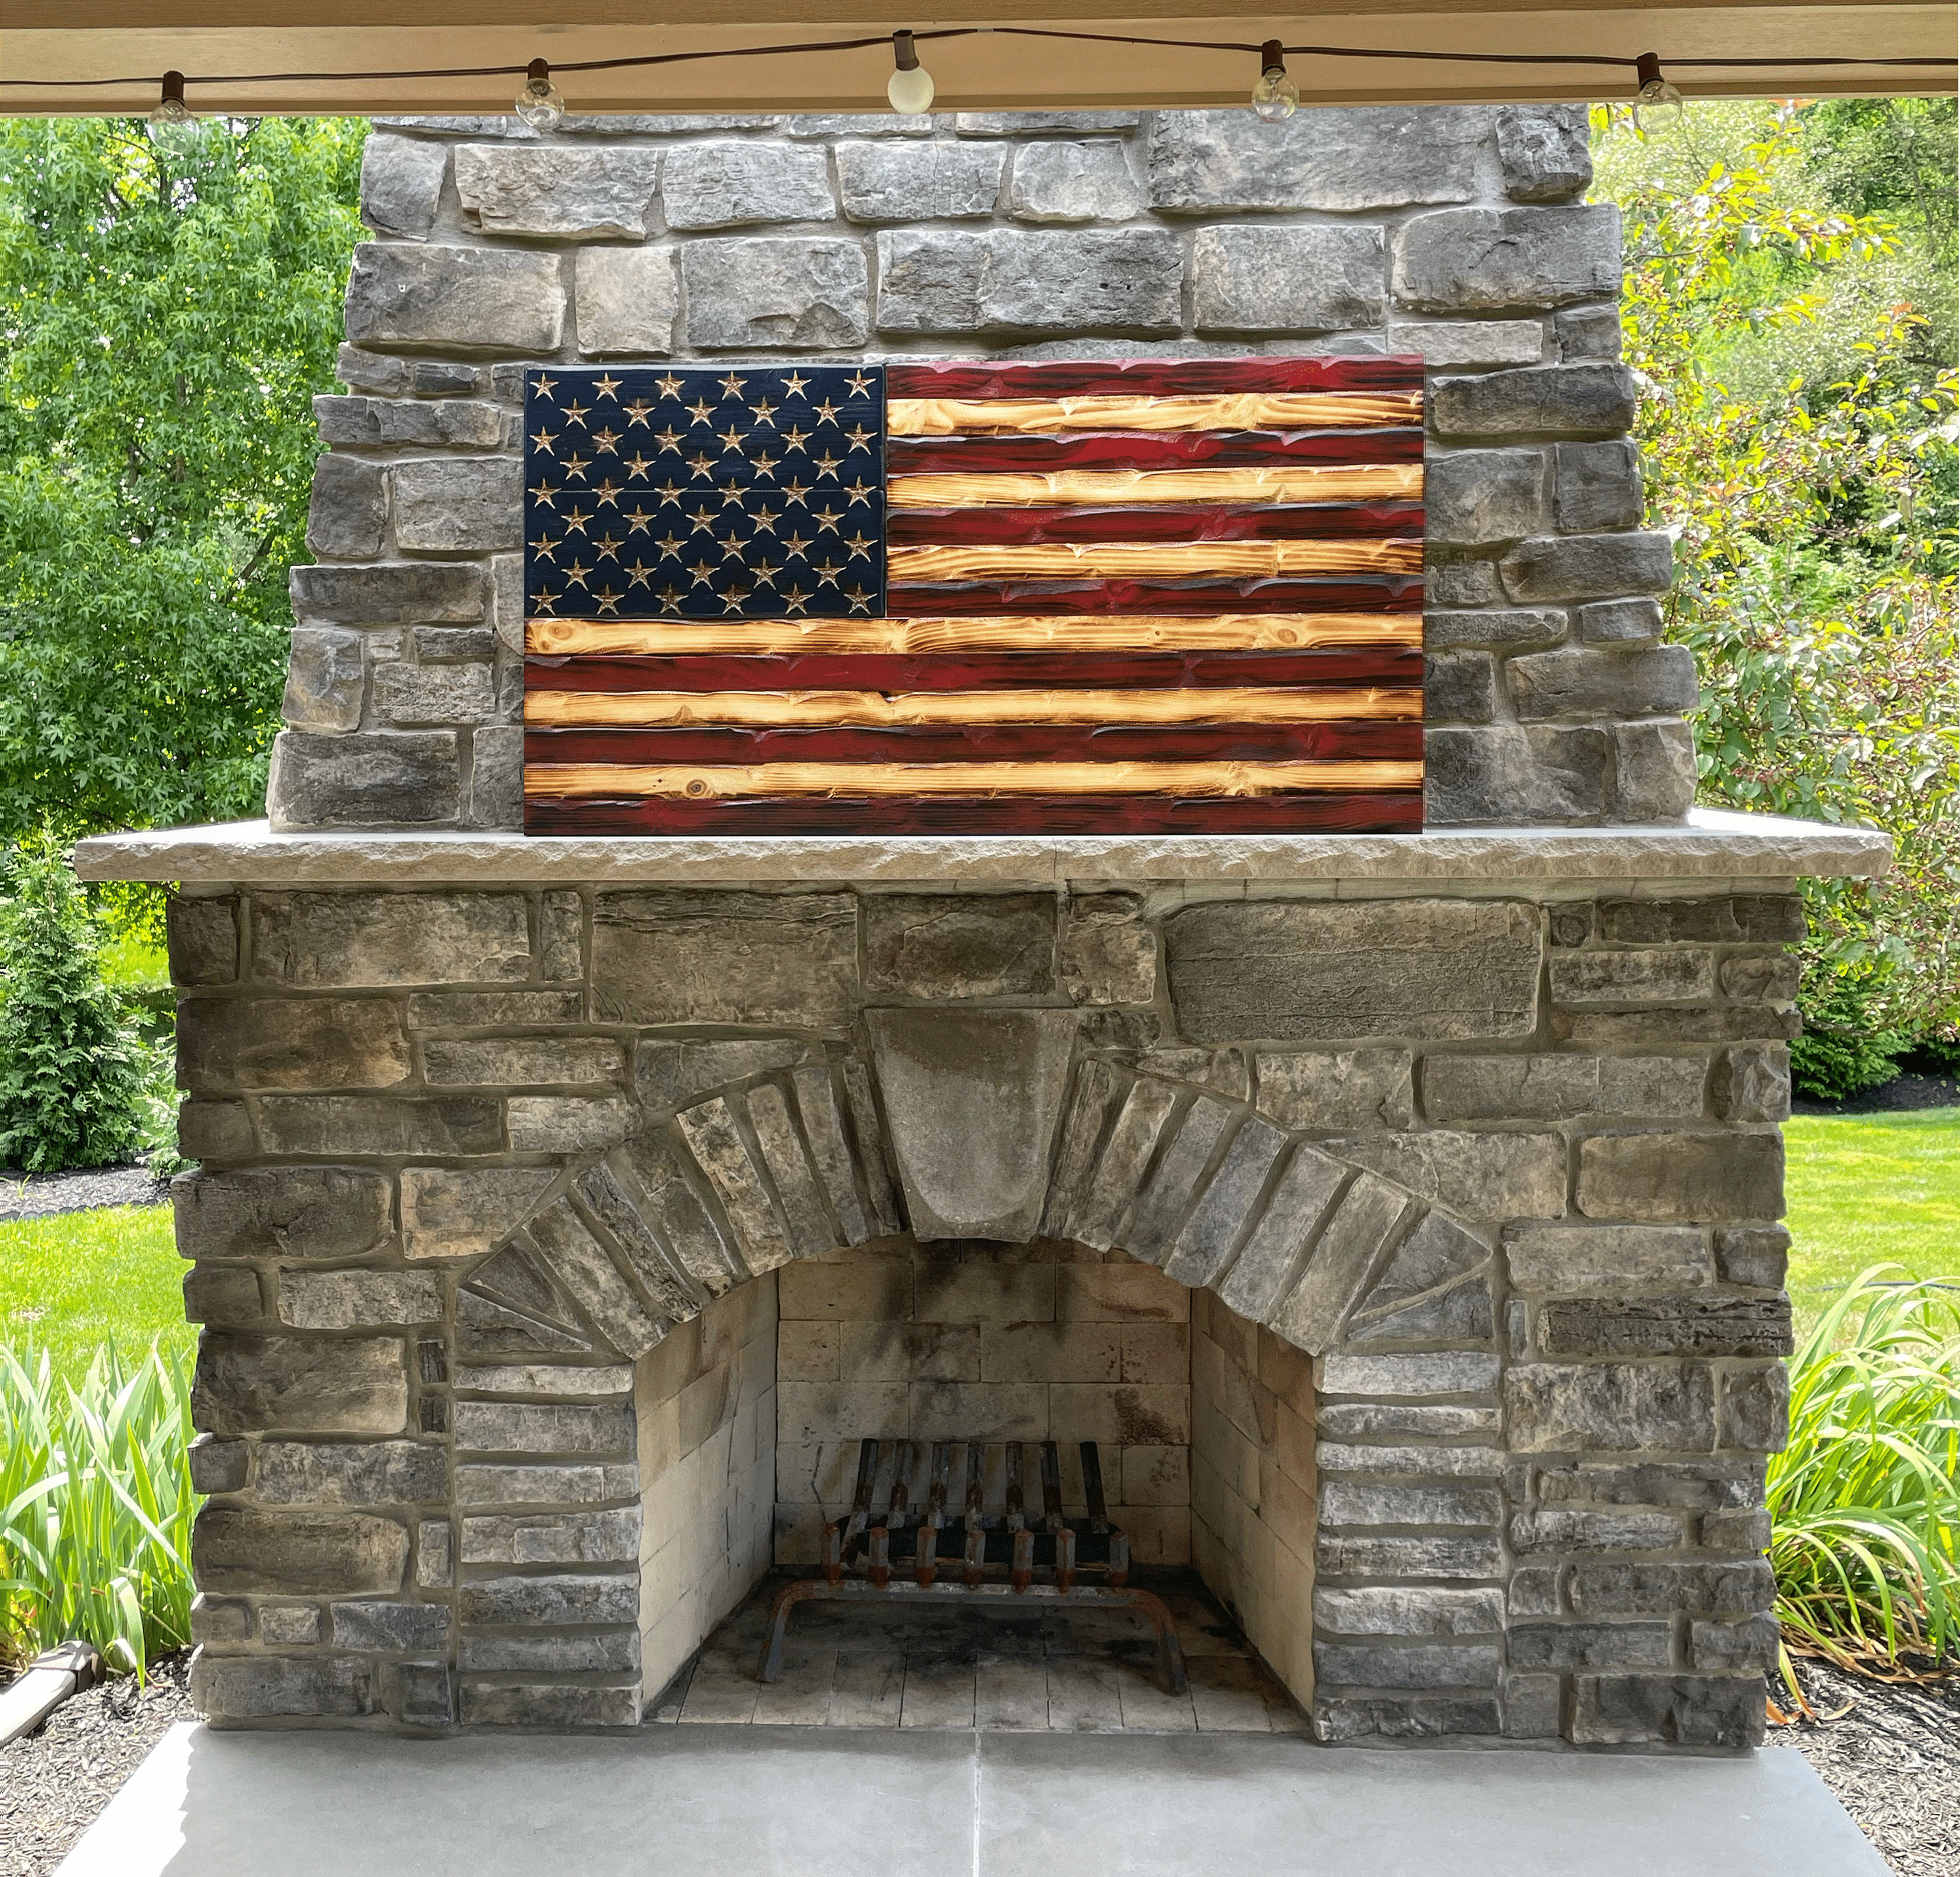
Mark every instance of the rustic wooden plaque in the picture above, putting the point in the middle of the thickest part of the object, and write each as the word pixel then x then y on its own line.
pixel 1127 596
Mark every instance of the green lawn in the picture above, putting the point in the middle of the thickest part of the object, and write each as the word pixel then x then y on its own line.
pixel 70 1283
pixel 1871 1189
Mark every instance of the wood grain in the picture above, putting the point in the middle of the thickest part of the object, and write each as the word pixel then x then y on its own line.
pixel 1151 377
pixel 1245 410
pixel 1345 482
pixel 1152 449
pixel 1155 560
pixel 1169 521
pixel 1222 631
pixel 699 783
pixel 1191 598
pixel 1379 811
pixel 1214 704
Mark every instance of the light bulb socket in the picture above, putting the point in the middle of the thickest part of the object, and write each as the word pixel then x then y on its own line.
pixel 537 75
pixel 905 54
pixel 173 96
pixel 1647 71
pixel 1272 58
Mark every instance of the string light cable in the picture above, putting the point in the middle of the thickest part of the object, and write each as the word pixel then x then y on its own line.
pixel 542 95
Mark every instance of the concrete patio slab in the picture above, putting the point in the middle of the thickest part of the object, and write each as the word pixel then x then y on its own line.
pixel 796 1802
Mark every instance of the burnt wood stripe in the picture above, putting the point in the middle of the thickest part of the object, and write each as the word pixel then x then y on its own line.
pixel 1171 450
pixel 1016 743
pixel 822 671
pixel 1125 488
pixel 1377 812
pixel 1151 560
pixel 1234 410
pixel 1213 377
pixel 1030 527
pixel 1386 593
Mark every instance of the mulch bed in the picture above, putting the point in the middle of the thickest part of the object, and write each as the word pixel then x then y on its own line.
pixel 54 1782
pixel 42 1195
pixel 1903 1094
pixel 1892 1758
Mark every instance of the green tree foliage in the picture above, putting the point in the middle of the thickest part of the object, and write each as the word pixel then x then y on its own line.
pixel 166 313
pixel 1799 445
pixel 71 1071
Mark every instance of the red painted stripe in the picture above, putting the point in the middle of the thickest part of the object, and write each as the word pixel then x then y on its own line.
pixel 1149 450
pixel 1195 599
pixel 1027 742
pixel 943 671
pixel 1397 812
pixel 1027 527
pixel 1155 377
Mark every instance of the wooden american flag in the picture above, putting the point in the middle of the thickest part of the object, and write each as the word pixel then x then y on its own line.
pixel 1134 596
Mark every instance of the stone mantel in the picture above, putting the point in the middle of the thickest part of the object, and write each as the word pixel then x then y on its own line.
pixel 1709 845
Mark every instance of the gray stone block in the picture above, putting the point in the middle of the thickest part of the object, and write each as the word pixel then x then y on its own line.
pixel 615 1652
pixel 537 1601
pixel 1453 1372
pixel 1408 1665
pixel 368 1473
pixel 218 1294
pixel 1597 485
pixel 1451 1463
pixel 1312 279
pixel 410 593
pixel 1542 149
pixel 411 694
pixel 1666 1326
pixel 960 945
pixel 1349 1555
pixel 973 1099
pixel 1073 182
pixel 923 182
pixel 219 1466
pixel 1591 1644
pixel 497 777
pixel 1738 1528
pixel 326 675
pixel 1109 955
pixel 1346 1420
pixel 1752 1083
pixel 1396 1610
pixel 1508 774
pixel 1755 1254
pixel 295 1211
pixel 1334 1091
pixel 1588 332
pixel 549 191
pixel 393 1627
pixel 809 126
pixel 516 1486
pixel 524 1061
pixel 1027 280
pixel 1346 1503
pixel 357 1299
pixel 1661 1028
pixel 412 424
pixel 1385 156
pixel 376 1124
pixel 470 506
pixel 1450 583
pixel 247 1384
pixel 1558 1407
pixel 1589 567
pixel 554 1427
pixel 1625 623
pixel 202 936
pixel 554 1537
pixel 1683 1711
pixel 1361 1226
pixel 1742 919
pixel 362 781
pixel 1476 1175
pixel 1500 260
pixel 1474 498
pixel 676 1075
pixel 1603 1257
pixel 725 183
pixel 1577 682
pixel 1739 1648
pixel 214 1130
pixel 1562 400
pixel 628 300
pixel 1686 1177
pixel 726 957
pixel 401 182
pixel 490 1010
pixel 219 1620
pixel 1459 687
pixel 1691 1485
pixel 1040 123
pixel 1562 1087
pixel 776 293
pixel 1510 629
pixel 349 508
pixel 293 1553
pixel 566 1123
pixel 1301 971
pixel 473 299
pixel 312 941
pixel 1442 344
pixel 1658 975
pixel 266 1687
pixel 225 1043
pixel 1755 1409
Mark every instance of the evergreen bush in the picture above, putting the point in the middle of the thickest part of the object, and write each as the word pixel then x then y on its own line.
pixel 1842 1049
pixel 71 1073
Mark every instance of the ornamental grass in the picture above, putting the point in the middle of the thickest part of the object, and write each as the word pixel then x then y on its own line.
pixel 1864 1501
pixel 96 1506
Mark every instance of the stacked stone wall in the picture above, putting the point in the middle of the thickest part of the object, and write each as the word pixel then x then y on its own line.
pixel 1505 1169
pixel 1453 232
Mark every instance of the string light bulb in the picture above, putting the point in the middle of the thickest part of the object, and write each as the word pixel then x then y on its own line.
pixel 910 87
pixel 173 127
pixel 1654 87
pixel 1275 97
pixel 541 104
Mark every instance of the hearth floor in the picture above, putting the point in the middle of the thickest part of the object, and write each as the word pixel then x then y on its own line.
pixel 1039 1669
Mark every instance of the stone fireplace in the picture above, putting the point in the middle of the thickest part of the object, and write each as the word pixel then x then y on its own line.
pixel 1398 1212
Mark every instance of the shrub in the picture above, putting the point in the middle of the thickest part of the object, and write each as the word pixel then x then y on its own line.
pixel 1842 1049
pixel 96 1506
pixel 1865 1500
pixel 70 1071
